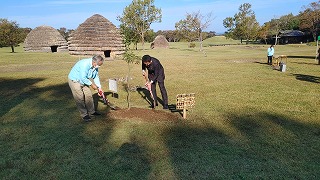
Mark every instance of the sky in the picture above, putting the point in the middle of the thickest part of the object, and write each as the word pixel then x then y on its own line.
pixel 71 13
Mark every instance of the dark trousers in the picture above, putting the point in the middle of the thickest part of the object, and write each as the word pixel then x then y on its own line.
pixel 270 60
pixel 162 90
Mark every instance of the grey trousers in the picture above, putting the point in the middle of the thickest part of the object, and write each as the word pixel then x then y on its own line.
pixel 83 97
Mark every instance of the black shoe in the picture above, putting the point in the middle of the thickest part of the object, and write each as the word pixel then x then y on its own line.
pixel 96 114
pixel 87 118
pixel 165 107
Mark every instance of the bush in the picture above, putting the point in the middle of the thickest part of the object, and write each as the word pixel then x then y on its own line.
pixel 192 45
pixel 312 44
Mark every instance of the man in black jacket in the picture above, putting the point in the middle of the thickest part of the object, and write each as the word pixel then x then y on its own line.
pixel 155 74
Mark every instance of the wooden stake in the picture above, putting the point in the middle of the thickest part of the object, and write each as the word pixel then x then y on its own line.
pixel 184 113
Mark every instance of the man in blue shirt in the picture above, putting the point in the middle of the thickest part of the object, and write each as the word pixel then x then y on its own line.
pixel 83 75
pixel 270 54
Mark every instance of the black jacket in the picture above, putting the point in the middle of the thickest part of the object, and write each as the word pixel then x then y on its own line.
pixel 155 70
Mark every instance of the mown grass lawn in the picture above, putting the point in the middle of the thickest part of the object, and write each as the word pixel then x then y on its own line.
pixel 250 121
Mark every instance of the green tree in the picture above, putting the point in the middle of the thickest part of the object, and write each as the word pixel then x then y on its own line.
pixel 150 36
pixel 264 32
pixel 130 58
pixel 310 18
pixel 275 28
pixel 243 25
pixel 289 22
pixel 193 25
pixel 186 31
pixel 10 34
pixel 129 36
pixel 139 16
pixel 65 33
pixel 286 22
pixel 171 35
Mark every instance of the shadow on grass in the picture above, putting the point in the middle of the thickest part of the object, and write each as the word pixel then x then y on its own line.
pixel 308 78
pixel 43 137
pixel 265 63
pixel 131 157
pixel 190 49
pixel 15 91
pixel 302 57
pixel 306 63
pixel 145 94
pixel 258 146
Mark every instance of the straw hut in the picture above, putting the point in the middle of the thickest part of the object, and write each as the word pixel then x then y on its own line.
pixel 160 42
pixel 97 35
pixel 45 39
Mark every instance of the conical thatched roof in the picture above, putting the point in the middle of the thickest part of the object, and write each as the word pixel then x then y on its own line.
pixel 97 35
pixel 160 42
pixel 45 39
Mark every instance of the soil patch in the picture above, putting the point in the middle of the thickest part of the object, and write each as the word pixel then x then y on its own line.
pixel 145 114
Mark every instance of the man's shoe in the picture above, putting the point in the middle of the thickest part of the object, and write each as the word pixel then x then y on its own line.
pixel 87 118
pixel 96 114
pixel 165 107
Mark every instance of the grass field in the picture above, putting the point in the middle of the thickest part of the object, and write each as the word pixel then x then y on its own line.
pixel 250 121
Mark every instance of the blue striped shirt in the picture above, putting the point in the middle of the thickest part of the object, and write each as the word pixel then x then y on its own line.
pixel 82 71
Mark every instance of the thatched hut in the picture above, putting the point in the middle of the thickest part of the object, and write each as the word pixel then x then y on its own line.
pixel 45 39
pixel 97 35
pixel 160 42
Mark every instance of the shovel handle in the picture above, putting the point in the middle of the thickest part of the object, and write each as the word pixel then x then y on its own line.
pixel 105 101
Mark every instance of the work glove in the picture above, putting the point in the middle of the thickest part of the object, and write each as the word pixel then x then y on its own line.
pixel 100 92
pixel 148 85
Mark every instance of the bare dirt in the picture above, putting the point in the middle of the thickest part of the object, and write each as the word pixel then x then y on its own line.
pixel 145 114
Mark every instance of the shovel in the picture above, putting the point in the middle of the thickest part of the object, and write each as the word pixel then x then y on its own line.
pixel 107 102
pixel 150 91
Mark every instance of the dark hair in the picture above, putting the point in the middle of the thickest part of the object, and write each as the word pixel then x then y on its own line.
pixel 146 58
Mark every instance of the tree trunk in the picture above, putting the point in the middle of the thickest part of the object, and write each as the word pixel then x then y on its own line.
pixel 142 40
pixel 314 34
pixel 276 42
pixel 200 38
pixel 128 87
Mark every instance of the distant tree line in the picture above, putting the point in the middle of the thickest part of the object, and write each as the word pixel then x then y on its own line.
pixel 173 35
pixel 244 26
pixel 137 18
pixel 65 32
